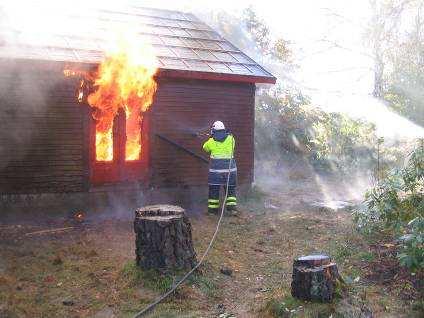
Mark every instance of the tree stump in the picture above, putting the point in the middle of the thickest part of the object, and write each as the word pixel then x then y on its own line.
pixel 163 238
pixel 314 278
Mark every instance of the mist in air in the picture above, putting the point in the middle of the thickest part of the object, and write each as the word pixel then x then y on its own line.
pixel 333 63
pixel 330 65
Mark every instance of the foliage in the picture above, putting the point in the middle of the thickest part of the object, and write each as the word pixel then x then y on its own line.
pixel 132 275
pixel 341 142
pixel 412 254
pixel 252 35
pixel 280 122
pixel 257 28
pixel 397 204
pixel 404 85
pixel 205 283
pixel 152 279
pixel 396 36
pixel 260 34
pixel 286 307
pixel 286 123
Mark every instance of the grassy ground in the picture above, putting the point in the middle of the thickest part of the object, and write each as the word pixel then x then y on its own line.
pixel 90 271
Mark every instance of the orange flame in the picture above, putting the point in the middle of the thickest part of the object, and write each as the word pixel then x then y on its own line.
pixel 69 72
pixel 125 79
pixel 79 216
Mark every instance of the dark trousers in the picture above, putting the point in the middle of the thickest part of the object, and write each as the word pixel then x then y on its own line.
pixel 213 200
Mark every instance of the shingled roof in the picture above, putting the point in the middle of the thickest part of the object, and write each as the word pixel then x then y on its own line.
pixel 184 45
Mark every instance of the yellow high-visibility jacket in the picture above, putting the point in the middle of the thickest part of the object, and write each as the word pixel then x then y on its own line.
pixel 220 149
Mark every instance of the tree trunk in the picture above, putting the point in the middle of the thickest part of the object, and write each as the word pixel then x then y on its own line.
pixel 314 278
pixel 163 238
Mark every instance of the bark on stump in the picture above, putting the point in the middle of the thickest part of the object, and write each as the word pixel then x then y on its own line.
pixel 163 238
pixel 314 278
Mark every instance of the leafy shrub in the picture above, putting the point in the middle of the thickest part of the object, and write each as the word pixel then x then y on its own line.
pixel 287 124
pixel 343 143
pixel 397 204
pixel 412 254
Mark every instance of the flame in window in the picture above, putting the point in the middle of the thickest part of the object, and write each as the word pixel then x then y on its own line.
pixel 124 79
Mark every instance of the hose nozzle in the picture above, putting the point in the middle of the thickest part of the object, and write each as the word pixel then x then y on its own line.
pixel 202 134
pixel 198 134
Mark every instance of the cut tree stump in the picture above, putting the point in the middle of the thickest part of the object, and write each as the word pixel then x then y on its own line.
pixel 314 278
pixel 163 238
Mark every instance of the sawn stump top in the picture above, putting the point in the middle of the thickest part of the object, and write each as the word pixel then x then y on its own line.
pixel 313 260
pixel 159 212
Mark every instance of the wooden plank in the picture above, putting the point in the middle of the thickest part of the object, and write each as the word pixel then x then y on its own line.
pixel 202 159
pixel 43 188
pixel 87 124
pixel 42 166
pixel 43 137
pixel 182 104
pixel 41 175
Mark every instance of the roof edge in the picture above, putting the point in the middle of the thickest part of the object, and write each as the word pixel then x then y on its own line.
pixel 227 77
pixel 162 72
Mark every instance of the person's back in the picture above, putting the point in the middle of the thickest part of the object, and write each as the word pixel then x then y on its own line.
pixel 221 148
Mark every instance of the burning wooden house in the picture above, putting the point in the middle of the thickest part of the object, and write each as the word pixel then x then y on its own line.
pixel 56 138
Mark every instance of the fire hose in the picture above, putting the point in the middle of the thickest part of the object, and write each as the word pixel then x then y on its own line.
pixel 188 274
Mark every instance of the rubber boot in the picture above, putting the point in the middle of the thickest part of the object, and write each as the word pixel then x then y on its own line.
pixel 231 210
pixel 213 211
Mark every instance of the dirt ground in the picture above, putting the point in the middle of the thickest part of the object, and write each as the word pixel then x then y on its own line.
pixel 89 270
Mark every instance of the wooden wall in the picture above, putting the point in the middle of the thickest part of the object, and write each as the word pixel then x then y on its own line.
pixel 42 132
pixel 182 107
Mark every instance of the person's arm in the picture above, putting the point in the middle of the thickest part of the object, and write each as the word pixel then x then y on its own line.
pixel 207 146
pixel 233 144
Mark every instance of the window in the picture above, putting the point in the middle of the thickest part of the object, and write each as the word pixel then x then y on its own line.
pixel 120 153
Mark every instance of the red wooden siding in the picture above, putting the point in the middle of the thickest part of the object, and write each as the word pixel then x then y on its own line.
pixel 45 133
pixel 180 108
pixel 42 133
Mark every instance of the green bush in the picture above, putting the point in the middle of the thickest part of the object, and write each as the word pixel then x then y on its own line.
pixel 397 204
pixel 287 125
pixel 412 255
pixel 342 143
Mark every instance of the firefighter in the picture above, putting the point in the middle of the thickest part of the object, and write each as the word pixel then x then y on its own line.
pixel 220 146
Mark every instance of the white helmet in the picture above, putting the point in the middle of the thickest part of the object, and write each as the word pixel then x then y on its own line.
pixel 218 125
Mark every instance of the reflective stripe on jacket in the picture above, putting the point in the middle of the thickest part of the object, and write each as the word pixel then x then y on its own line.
pixel 219 170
